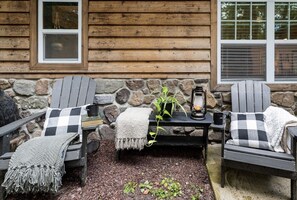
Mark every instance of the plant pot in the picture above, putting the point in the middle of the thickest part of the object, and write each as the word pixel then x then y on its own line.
pixel 169 108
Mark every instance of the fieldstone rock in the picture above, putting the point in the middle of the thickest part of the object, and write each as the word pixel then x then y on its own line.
pixel 197 132
pixel 36 102
pixel 93 136
pixel 11 81
pixel 189 129
pixel 178 130
pixel 108 85
pixel 31 126
pixel 111 113
pixel 135 84
pixel 25 113
pixel 122 109
pixel 186 86
pixel 106 132
pixel 210 100
pixel 122 96
pixel 226 96
pixel 36 133
pixel 42 87
pixel 148 99
pixel 136 98
pixel 277 98
pixel 171 84
pixel 10 92
pixel 285 99
pixel 187 108
pixel 288 99
pixel 4 84
pixel 214 135
pixel 226 107
pixel 103 99
pixel 93 142
pixel 154 85
pixel 145 91
pixel 24 87
pixel 217 95
pixel 180 98
pixel 20 139
pixel 33 102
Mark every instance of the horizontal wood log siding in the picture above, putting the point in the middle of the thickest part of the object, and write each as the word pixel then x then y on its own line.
pixel 125 39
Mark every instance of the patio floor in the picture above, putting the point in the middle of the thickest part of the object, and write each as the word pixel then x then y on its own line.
pixel 242 185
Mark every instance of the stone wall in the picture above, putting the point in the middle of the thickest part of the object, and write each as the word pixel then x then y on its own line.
pixel 114 95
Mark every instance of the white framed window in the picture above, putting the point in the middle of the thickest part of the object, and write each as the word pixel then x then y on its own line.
pixel 59 31
pixel 257 40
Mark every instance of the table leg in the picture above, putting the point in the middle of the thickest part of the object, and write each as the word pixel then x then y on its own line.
pixel 205 141
pixel 118 155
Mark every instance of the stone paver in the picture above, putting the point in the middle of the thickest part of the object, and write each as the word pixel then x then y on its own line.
pixel 241 185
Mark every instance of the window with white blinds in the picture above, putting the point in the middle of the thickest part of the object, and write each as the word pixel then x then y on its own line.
pixel 243 61
pixel 285 62
pixel 257 40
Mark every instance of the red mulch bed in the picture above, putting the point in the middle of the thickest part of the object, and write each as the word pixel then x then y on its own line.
pixel 107 177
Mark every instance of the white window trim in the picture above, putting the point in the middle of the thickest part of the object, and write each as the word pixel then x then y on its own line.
pixel 42 31
pixel 270 42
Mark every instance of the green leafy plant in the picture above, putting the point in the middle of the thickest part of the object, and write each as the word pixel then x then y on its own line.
pixel 167 188
pixel 198 192
pixel 146 187
pixel 164 102
pixel 130 187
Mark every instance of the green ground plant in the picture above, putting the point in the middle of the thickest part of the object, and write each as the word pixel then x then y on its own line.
pixel 167 188
pixel 130 187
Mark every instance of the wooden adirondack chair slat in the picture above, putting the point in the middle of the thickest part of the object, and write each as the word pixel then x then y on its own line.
pixel 250 102
pixel 56 96
pixel 75 87
pixel 65 94
pixel 258 96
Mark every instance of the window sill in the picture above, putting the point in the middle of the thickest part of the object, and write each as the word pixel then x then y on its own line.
pixel 56 66
pixel 273 86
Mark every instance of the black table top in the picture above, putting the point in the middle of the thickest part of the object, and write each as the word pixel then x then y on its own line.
pixel 180 119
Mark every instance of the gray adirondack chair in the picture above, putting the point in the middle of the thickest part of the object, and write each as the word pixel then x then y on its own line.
pixel 70 91
pixel 253 96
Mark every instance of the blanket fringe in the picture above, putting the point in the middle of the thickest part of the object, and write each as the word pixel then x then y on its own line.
pixel 36 178
pixel 130 143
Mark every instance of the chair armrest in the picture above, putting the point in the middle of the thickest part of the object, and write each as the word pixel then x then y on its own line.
pixel 293 131
pixel 4 130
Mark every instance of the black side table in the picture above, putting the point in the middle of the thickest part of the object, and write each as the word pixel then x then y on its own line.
pixel 180 119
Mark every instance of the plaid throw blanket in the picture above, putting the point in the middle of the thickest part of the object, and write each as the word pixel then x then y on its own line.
pixel 38 165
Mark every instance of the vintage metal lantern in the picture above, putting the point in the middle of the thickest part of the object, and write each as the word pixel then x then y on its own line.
pixel 198 103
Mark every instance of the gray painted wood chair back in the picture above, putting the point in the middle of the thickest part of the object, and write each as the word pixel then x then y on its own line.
pixel 70 91
pixel 253 96
pixel 250 96
pixel 73 91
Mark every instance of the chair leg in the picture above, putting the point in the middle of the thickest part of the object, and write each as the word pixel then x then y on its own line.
pixel 118 155
pixel 83 175
pixel 2 189
pixel 293 189
pixel 223 169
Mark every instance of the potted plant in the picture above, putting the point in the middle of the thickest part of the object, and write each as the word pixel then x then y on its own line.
pixel 165 105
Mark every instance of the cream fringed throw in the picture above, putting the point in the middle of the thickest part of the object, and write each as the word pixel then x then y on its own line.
pixel 132 127
pixel 277 120
pixel 38 165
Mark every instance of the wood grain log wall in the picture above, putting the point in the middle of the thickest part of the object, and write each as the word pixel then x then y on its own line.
pixel 137 39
